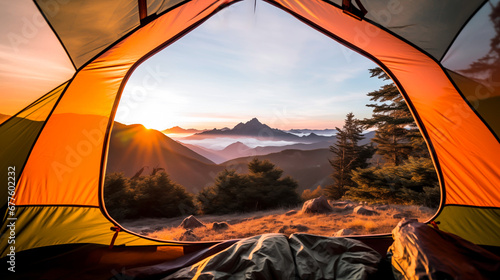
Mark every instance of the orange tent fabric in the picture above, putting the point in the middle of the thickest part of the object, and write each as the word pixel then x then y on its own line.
pixel 61 159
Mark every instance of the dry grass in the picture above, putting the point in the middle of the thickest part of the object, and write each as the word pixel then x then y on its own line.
pixel 275 221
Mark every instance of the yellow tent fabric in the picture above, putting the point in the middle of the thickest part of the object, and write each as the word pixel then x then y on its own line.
pixel 59 171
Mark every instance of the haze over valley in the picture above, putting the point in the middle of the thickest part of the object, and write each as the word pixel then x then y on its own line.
pixel 195 159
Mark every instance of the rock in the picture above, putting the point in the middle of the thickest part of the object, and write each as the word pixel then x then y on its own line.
pixel 317 205
pixel 300 228
pixel 347 208
pixel 188 235
pixel 361 210
pixel 405 214
pixel 220 226
pixel 382 207
pixel 343 232
pixel 294 228
pixel 338 203
pixel 283 228
pixel 191 222
pixel 291 212
pixel 399 216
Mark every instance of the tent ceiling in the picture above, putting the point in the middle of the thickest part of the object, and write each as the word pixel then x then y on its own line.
pixel 430 25
pixel 87 27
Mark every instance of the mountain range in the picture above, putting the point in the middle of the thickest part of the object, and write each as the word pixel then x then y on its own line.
pixel 133 147
pixel 254 128
pixel 305 131
pixel 239 149
pixel 180 130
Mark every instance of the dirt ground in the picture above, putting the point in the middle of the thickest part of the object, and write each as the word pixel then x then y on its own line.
pixel 285 221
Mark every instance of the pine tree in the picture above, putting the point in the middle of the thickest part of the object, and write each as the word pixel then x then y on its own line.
pixel 348 155
pixel 262 188
pixel 397 134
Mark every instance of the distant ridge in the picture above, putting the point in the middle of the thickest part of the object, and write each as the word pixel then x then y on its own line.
pixel 255 129
pixel 310 168
pixel 180 130
pixel 133 147
pixel 238 149
pixel 305 131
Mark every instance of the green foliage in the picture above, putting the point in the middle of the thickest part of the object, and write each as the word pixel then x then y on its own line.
pixel 408 175
pixel 336 192
pixel 263 188
pixel 226 195
pixel 415 181
pixel 308 194
pixel 397 136
pixel 158 196
pixel 348 155
pixel 152 196
pixel 118 195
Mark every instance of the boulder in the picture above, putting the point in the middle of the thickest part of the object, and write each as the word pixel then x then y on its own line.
pixel 283 228
pixel 188 235
pixel 405 214
pixel 338 203
pixel 293 228
pixel 361 210
pixel 299 228
pixel 191 222
pixel 291 212
pixel 382 207
pixel 317 205
pixel 347 208
pixel 343 232
pixel 220 226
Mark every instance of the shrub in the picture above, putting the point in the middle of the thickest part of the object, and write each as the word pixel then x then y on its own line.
pixel 118 196
pixel 158 196
pixel 415 181
pixel 308 194
pixel 152 196
pixel 263 188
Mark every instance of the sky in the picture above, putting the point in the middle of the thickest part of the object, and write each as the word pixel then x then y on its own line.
pixel 241 64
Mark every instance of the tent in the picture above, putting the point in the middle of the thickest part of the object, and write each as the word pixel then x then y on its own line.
pixel 440 55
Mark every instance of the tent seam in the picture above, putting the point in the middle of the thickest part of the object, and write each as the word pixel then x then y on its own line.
pixel 115 107
pixel 56 34
pixel 409 103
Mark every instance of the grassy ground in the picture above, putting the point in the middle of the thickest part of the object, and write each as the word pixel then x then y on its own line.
pixel 249 224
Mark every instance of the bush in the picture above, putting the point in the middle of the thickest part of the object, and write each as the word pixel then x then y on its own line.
pixel 158 196
pixel 151 196
pixel 263 188
pixel 308 194
pixel 118 195
pixel 415 181
pixel 335 192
